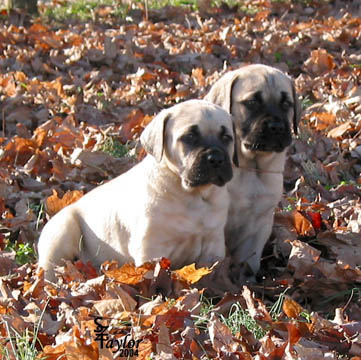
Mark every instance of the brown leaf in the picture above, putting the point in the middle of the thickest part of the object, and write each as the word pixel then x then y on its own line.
pixel 302 225
pixel 173 319
pixel 164 346
pixel 256 308
pixel 221 336
pixel 320 62
pixel 302 258
pixel 113 307
pixel 18 151
pixel 54 203
pixel 291 308
pixel 340 130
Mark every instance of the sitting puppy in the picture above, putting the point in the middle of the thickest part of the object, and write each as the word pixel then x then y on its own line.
pixel 264 106
pixel 172 204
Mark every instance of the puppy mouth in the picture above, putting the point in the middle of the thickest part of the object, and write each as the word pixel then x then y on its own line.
pixel 202 174
pixel 265 147
pixel 219 180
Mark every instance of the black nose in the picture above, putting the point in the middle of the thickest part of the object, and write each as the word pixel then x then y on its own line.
pixel 216 158
pixel 276 127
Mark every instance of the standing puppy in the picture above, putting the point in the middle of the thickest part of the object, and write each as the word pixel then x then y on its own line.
pixel 172 204
pixel 264 105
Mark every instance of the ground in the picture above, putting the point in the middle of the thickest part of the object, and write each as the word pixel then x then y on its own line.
pixel 77 87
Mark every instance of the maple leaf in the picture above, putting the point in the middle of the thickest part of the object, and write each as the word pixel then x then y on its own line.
pixel 192 275
pixel 129 273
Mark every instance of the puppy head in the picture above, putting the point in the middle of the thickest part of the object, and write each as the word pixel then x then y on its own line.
pixel 195 140
pixel 264 105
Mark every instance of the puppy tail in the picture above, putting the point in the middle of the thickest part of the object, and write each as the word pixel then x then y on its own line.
pixel 60 239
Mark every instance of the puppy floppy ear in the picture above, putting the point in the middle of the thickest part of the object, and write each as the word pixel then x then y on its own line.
pixel 153 136
pixel 235 150
pixel 297 109
pixel 221 91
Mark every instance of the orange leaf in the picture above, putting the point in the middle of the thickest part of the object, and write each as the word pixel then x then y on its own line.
pixel 53 353
pixel 192 275
pixel 132 124
pixel 291 308
pixel 197 75
pixel 262 15
pixel 38 28
pixel 129 273
pixel 323 120
pixel 322 60
pixel 19 150
pixel 302 225
pixel 54 204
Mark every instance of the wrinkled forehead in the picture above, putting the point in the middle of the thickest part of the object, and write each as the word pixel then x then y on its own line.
pixel 270 84
pixel 208 119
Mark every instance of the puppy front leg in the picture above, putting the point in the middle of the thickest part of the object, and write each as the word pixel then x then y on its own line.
pixel 251 247
pixel 213 249
pixel 60 239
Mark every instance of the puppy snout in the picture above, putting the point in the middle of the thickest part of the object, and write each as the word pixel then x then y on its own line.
pixel 216 158
pixel 276 127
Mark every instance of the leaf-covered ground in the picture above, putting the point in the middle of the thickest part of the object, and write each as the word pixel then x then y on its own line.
pixel 74 98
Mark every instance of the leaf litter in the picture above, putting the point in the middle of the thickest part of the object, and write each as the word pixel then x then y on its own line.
pixel 65 91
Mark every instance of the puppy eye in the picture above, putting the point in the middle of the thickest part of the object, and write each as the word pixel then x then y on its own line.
pixel 286 105
pixel 190 138
pixel 251 104
pixel 226 138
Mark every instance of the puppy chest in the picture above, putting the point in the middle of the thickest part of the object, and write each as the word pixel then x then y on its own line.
pixel 251 195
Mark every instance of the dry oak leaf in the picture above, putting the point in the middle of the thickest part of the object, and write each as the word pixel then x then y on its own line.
pixel 19 150
pixel 190 274
pixel 301 224
pixel 164 346
pixel 113 307
pixel 340 130
pixel 54 204
pixel 129 273
pixel 221 336
pixel 320 62
pixel 291 308
pixel 323 120
pixel 256 307
pixel 77 348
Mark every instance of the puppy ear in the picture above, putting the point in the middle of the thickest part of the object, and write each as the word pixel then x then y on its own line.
pixel 297 109
pixel 153 136
pixel 221 91
pixel 235 151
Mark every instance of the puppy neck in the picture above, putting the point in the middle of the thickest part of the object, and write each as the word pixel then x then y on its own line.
pixel 262 162
pixel 168 181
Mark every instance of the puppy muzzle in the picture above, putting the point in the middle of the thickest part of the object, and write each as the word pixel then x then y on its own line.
pixel 211 166
pixel 272 134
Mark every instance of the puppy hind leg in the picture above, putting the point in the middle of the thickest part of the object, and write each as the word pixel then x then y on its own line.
pixel 60 239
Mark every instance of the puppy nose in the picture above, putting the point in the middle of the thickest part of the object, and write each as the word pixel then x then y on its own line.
pixel 276 127
pixel 216 158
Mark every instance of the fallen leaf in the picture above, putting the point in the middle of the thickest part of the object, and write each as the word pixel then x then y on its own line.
pixel 129 273
pixel 341 130
pixel 190 274
pixel 54 203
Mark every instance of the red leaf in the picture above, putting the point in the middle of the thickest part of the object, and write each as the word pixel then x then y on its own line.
pixel 316 219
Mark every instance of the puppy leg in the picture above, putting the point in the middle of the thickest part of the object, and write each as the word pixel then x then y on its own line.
pixel 60 239
pixel 213 249
pixel 251 247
